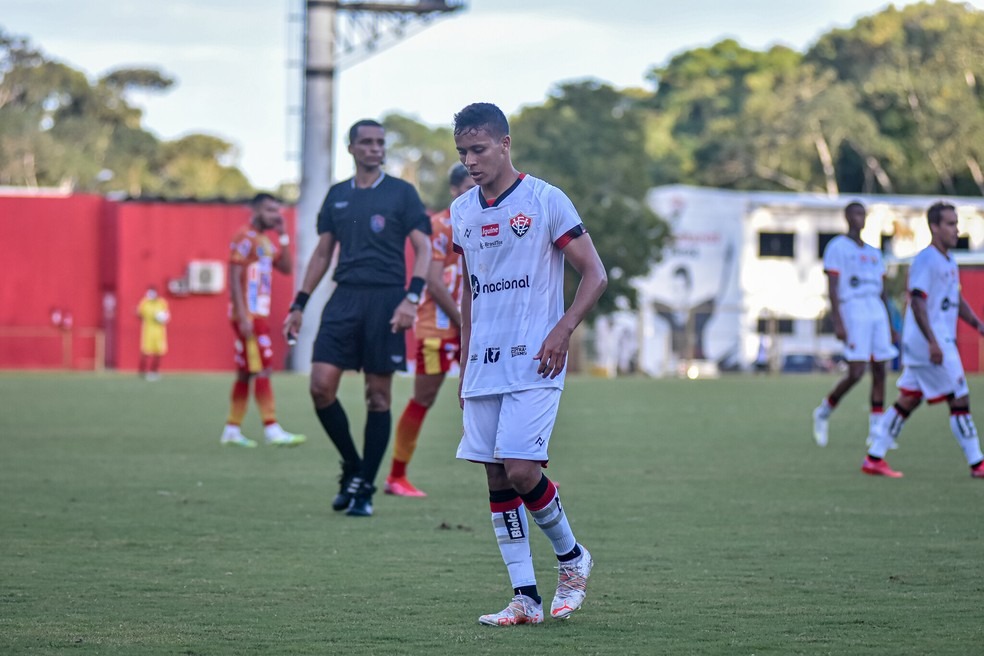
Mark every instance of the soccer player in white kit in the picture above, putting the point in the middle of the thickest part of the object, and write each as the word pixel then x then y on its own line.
pixel 858 306
pixel 514 232
pixel 929 348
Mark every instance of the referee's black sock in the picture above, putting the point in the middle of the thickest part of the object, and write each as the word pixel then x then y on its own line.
pixel 336 424
pixel 378 426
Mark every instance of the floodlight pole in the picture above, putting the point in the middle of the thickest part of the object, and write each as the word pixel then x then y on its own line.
pixel 368 27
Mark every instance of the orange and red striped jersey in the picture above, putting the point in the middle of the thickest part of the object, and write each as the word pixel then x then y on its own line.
pixel 256 253
pixel 432 321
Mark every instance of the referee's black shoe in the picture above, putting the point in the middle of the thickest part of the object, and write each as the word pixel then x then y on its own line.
pixel 361 505
pixel 349 483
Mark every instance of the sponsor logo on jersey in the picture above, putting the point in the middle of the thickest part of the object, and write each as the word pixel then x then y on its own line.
pixel 520 224
pixel 855 281
pixel 467 233
pixel 473 357
pixel 492 355
pixel 377 222
pixel 947 303
pixel 482 245
pixel 516 351
pixel 490 230
pixel 539 440
pixel 397 359
pixel 503 285
pixel 513 524
pixel 341 204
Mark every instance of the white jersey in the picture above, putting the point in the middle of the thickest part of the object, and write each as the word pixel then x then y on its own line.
pixel 512 249
pixel 934 276
pixel 860 273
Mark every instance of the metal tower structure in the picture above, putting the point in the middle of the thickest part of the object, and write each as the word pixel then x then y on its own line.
pixel 338 34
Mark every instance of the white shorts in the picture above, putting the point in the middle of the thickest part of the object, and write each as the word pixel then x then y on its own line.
pixel 869 336
pixel 511 425
pixel 935 382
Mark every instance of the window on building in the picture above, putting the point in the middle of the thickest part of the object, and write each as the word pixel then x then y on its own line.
pixel 886 243
pixel 776 244
pixel 963 243
pixel 823 239
pixel 783 326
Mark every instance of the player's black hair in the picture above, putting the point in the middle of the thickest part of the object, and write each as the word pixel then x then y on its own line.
pixel 853 206
pixel 263 197
pixel 481 116
pixel 457 175
pixel 364 123
pixel 935 212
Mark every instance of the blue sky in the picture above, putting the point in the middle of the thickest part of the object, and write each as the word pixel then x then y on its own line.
pixel 231 57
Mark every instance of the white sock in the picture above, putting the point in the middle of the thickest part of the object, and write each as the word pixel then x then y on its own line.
pixel 232 429
pixel 512 531
pixel 886 433
pixel 552 520
pixel 825 408
pixel 272 430
pixel 874 422
pixel 965 431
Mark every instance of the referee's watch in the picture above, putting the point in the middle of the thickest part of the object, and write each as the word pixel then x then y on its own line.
pixel 413 297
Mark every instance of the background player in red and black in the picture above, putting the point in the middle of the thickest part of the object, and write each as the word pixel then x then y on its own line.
pixel 369 217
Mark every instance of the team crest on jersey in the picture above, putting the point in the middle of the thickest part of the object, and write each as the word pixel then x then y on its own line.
pixel 520 224
pixel 377 222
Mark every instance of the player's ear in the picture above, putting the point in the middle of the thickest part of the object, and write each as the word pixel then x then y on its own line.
pixel 506 142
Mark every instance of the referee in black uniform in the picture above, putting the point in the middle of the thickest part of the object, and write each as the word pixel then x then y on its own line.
pixel 369 216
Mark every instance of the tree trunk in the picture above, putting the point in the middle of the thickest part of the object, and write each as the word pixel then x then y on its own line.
pixel 876 168
pixel 975 171
pixel 829 172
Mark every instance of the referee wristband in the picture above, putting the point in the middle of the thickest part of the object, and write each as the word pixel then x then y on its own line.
pixel 416 285
pixel 300 301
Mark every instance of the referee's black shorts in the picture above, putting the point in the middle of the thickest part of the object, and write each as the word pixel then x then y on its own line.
pixel 355 332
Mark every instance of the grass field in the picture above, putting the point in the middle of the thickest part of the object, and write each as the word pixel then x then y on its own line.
pixel 717 527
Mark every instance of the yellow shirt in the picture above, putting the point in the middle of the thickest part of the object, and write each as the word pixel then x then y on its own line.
pixel 154 314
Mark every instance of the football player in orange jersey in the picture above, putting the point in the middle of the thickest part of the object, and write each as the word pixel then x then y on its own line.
pixel 252 259
pixel 438 334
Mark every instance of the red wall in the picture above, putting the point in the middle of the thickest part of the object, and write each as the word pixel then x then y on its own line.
pixel 75 252
pixel 52 250
pixel 969 341
pixel 157 240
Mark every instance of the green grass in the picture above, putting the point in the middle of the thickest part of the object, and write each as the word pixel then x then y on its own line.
pixel 716 525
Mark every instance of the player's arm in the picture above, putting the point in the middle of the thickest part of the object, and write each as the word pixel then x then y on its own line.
pixel 406 312
pixel 967 314
pixel 285 259
pixel 238 297
pixel 440 293
pixel 583 256
pixel 833 286
pixel 917 300
pixel 466 305
pixel 317 266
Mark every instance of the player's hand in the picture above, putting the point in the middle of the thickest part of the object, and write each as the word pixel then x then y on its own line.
pixel 245 327
pixel 279 225
pixel 935 353
pixel 895 336
pixel 553 353
pixel 461 399
pixel 840 332
pixel 403 317
pixel 292 326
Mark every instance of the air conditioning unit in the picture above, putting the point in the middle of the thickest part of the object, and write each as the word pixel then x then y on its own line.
pixel 206 276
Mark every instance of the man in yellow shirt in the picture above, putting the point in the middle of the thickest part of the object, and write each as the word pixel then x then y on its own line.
pixel 154 315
